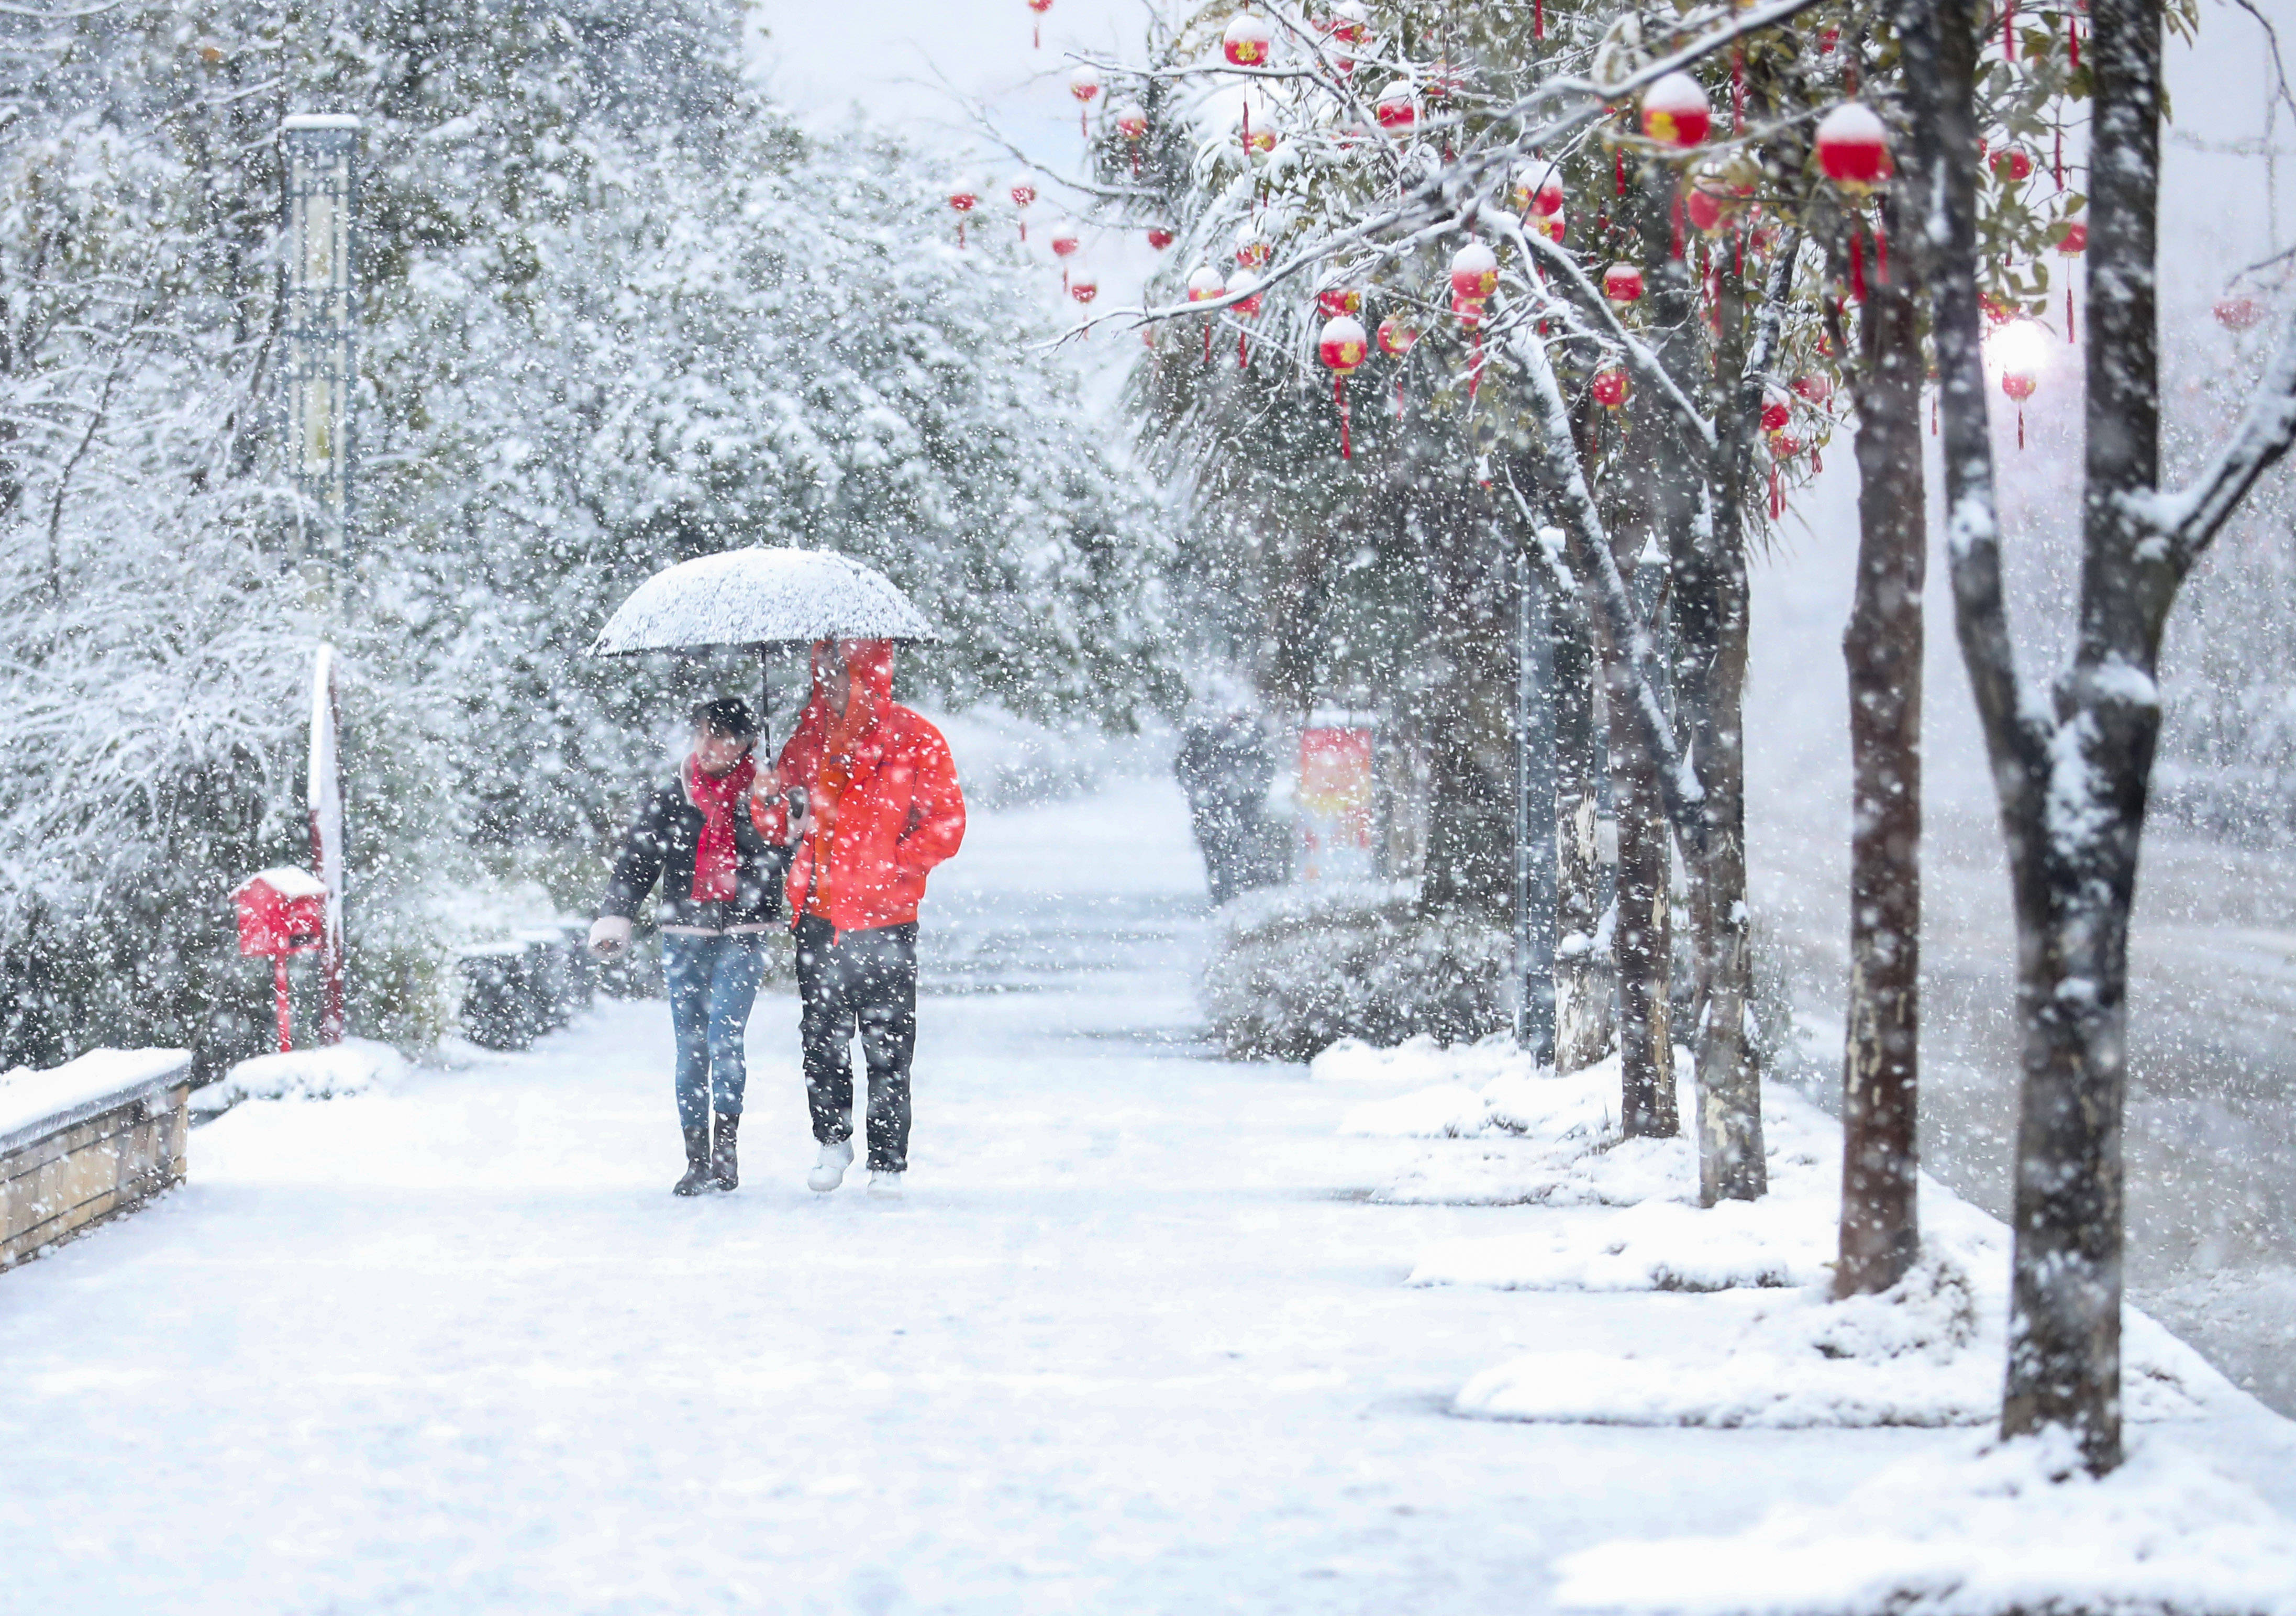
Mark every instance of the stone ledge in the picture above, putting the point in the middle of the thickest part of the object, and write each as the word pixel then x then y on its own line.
pixel 82 1145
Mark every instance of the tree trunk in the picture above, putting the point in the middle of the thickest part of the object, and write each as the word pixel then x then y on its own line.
pixel 1641 934
pixel 1468 720
pixel 1583 976
pixel 1880 1160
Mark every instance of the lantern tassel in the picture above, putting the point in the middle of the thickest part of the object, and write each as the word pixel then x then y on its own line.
pixel 1881 255
pixel 1619 169
pixel 1208 342
pixel 1737 89
pixel 1398 396
pixel 1538 18
pixel 1778 495
pixel 1674 242
pixel 1934 398
pixel 2008 31
pixel 2021 426
pixel 2068 313
pixel 2072 41
pixel 2057 161
pixel 960 233
pixel 1024 230
pixel 1243 347
pixel 1857 266
pixel 1340 398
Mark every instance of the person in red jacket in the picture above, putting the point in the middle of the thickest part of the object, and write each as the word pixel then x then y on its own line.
pixel 865 797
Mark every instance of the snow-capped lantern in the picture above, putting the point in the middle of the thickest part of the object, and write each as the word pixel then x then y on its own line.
pixel 1609 387
pixel 1246 285
pixel 1396 336
pixel 1252 251
pixel 1474 271
pixel 1160 236
pixel 2239 312
pixel 1717 193
pixel 2019 385
pixel 1204 284
pixel 1258 138
pixel 1775 412
pixel 1536 189
pixel 1024 197
pixel 1036 27
pixel 1853 147
pixel 2075 240
pixel 1131 121
pixel 1622 284
pixel 1813 389
pixel 1348 22
pixel 1548 224
pixel 2020 348
pixel 1343 348
pixel 2014 164
pixel 1084 84
pixel 1066 242
pixel 963 196
pixel 1676 111
pixel 1333 301
pixel 1247 44
pixel 1396 109
pixel 1083 283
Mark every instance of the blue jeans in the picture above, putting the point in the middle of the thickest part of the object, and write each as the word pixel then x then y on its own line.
pixel 713 981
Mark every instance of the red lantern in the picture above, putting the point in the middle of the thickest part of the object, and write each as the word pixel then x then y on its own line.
pixel 2075 240
pixel 2012 163
pixel 1247 44
pixel 1676 112
pixel 2019 384
pixel 1160 236
pixel 1083 285
pixel 1994 309
pixel 1853 147
pixel 1036 29
pixel 1065 243
pixel 962 197
pixel 1084 84
pixel 1132 123
pixel 1333 301
pixel 1024 196
pixel 1245 306
pixel 1775 412
pixel 1474 271
pixel 1536 190
pixel 1343 348
pixel 1548 224
pixel 1622 284
pixel 1396 336
pixel 1814 388
pixel 1397 112
pixel 1257 142
pixel 1610 389
pixel 1349 22
pixel 1204 285
pixel 2239 312
pixel 1828 37
pixel 1251 249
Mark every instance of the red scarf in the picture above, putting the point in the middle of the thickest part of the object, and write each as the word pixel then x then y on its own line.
pixel 715 854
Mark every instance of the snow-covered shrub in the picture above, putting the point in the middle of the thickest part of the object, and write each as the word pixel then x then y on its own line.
pixel 1299 968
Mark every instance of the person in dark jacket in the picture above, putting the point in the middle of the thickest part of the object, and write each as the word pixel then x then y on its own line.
pixel 721 892
pixel 1225 769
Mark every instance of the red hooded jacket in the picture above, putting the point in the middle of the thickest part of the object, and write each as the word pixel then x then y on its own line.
pixel 898 815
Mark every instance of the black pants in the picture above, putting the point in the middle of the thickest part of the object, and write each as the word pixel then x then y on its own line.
pixel 864 981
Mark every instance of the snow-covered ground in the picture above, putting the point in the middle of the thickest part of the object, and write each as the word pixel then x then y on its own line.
pixel 1138 1341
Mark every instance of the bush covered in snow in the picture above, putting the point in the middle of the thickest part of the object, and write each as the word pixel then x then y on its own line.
pixel 1299 968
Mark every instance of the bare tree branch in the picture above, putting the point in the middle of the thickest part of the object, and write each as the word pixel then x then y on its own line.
pixel 2191 517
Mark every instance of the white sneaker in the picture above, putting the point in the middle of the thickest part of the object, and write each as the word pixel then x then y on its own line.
pixel 829 1172
pixel 885 1187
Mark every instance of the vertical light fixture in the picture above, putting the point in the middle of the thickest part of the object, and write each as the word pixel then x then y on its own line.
pixel 319 263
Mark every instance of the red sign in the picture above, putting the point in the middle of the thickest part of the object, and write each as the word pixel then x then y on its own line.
pixel 1337 812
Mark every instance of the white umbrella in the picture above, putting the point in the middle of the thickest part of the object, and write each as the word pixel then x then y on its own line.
pixel 763 598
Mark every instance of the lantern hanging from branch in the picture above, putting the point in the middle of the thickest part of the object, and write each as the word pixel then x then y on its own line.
pixel 1205 284
pixel 2071 244
pixel 1246 305
pixel 2014 164
pixel 1474 271
pixel 1257 139
pixel 1083 285
pixel 1622 284
pixel 1536 189
pixel 1343 348
pixel 1349 22
pixel 1676 111
pixel 963 196
pixel 1132 123
pixel 1333 301
pixel 2239 312
pixel 1024 197
pixel 1396 336
pixel 1066 242
pixel 1775 412
pixel 1548 224
pixel 1036 27
pixel 1084 84
pixel 1610 389
pixel 1853 147
pixel 1160 236
pixel 2019 384
pixel 1397 111
pixel 1252 251
pixel 1247 44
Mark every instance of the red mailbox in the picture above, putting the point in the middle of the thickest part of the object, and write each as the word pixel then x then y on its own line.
pixel 282 911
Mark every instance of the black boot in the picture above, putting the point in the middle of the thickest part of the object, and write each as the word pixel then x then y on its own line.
pixel 722 1166
pixel 697 1163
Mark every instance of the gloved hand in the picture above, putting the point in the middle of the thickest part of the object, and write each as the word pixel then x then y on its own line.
pixel 610 934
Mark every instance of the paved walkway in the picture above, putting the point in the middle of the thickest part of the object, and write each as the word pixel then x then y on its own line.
pixel 1129 1346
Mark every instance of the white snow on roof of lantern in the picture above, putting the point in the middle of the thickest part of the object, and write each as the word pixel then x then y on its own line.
pixel 289 881
pixel 745 597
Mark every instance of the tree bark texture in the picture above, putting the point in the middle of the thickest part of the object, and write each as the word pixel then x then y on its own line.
pixel 1468 720
pixel 1583 974
pixel 1880 1161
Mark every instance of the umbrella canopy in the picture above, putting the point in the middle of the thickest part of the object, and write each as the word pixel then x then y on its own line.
pixel 761 598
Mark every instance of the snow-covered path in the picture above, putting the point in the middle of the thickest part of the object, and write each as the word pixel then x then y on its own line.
pixel 1129 1345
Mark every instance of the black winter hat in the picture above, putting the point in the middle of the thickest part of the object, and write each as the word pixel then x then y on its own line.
pixel 728 716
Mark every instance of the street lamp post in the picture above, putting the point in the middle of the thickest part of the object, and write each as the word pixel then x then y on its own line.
pixel 320 262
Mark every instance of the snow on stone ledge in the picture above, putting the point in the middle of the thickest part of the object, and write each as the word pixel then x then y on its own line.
pixel 346 1068
pixel 1981 1529
pixel 35 1103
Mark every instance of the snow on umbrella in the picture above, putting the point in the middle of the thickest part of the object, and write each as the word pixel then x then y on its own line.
pixel 761 598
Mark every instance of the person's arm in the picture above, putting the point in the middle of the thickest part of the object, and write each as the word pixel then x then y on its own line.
pixel 635 871
pixel 936 828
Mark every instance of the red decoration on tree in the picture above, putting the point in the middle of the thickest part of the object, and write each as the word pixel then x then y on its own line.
pixel 1065 243
pixel 1349 22
pixel 2071 244
pixel 1343 348
pixel 962 196
pixel 1676 111
pixel 1084 84
pixel 2019 384
pixel 1622 284
pixel 2008 31
pixel 1160 236
pixel 2014 163
pixel 1036 29
pixel 2239 312
pixel 1132 123
pixel 1247 44
pixel 1813 388
pixel 1853 147
pixel 1203 285
pixel 1474 271
pixel 1610 389
pixel 1548 224
pixel 1083 285
pixel 1775 412
pixel 1024 196
pixel 1248 284
pixel 1396 109
pixel 1396 337
pixel 1333 301
pixel 1252 251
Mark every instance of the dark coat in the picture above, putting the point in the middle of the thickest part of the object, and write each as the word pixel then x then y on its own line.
pixel 661 846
